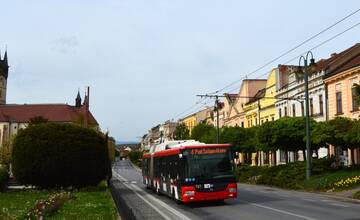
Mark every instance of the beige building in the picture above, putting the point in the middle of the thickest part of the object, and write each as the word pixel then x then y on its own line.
pixel 233 112
pixel 340 78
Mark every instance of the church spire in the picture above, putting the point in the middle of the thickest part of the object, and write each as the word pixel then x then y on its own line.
pixel 78 100
pixel 6 58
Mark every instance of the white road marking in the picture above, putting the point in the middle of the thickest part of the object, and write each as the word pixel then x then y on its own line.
pixel 282 211
pixel 136 190
pixel 309 200
pixel 339 205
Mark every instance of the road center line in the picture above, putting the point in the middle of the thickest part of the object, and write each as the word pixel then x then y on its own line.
pixel 137 189
pixel 282 211
pixel 339 205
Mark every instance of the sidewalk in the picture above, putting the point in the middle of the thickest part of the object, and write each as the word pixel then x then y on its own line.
pixel 347 194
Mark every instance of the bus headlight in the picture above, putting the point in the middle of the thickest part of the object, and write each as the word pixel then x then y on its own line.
pixel 189 193
pixel 232 190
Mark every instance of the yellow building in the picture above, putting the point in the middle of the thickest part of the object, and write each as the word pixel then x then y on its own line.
pixel 252 116
pixel 252 110
pixel 267 103
pixel 260 109
pixel 189 121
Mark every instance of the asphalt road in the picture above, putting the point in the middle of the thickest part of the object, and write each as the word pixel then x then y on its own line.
pixel 253 202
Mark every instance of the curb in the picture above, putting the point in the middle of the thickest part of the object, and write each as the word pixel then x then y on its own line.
pixel 135 167
pixel 339 198
pixel 346 199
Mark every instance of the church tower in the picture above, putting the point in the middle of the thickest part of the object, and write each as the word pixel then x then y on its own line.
pixel 4 70
pixel 78 100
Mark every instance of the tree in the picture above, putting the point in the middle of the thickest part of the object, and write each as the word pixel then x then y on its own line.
pixel 357 93
pixel 321 133
pixel 204 133
pixel 182 132
pixel 353 138
pixel 265 138
pixel 289 134
pixel 5 153
pixel 338 129
pixel 50 155
pixel 243 139
pixel 37 120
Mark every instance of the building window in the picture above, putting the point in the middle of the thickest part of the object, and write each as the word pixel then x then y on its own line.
pixel 279 112
pixel 282 156
pixel 338 103
pixel 266 157
pixel 285 111
pixel 293 110
pixel 242 124
pixel 321 105
pixel 311 103
pixel 302 108
pixel 355 105
pixel 272 119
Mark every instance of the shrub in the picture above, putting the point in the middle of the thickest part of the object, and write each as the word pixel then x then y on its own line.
pixel 135 157
pixel 285 176
pixel 4 177
pixel 292 175
pixel 50 155
pixel 247 173
pixel 356 195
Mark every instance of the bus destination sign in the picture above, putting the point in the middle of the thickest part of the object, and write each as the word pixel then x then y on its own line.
pixel 208 151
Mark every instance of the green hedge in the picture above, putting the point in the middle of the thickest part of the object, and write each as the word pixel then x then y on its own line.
pixel 249 174
pixel 51 155
pixel 4 177
pixel 357 195
pixel 290 176
pixel 136 157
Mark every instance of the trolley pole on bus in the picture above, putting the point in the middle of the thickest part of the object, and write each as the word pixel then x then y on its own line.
pixel 217 114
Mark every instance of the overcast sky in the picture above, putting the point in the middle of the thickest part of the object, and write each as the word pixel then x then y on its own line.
pixel 145 60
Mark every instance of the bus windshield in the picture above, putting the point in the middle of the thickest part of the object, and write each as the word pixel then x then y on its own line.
pixel 208 162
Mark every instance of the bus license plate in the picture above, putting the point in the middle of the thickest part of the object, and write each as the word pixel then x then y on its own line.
pixel 208 186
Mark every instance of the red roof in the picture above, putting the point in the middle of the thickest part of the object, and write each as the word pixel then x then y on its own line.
pixel 340 62
pixel 51 112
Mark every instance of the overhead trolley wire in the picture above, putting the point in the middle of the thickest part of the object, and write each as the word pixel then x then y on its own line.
pixel 288 51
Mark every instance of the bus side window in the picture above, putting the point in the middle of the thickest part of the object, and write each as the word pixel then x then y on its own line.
pixel 166 168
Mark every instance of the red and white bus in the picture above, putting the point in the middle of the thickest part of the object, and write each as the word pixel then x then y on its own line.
pixel 190 171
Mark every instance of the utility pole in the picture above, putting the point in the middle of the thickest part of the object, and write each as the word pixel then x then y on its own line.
pixel 217 114
pixel 307 116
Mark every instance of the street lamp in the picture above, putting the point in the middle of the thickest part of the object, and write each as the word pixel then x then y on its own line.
pixel 312 65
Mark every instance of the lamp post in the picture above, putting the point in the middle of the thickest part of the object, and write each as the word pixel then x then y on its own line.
pixel 307 116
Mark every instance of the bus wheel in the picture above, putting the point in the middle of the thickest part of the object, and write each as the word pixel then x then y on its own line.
pixel 219 201
pixel 158 191
pixel 178 201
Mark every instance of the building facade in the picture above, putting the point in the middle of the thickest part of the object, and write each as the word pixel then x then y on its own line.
pixel 234 114
pixel 340 79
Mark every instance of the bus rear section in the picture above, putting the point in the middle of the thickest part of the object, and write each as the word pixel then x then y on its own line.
pixel 191 173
